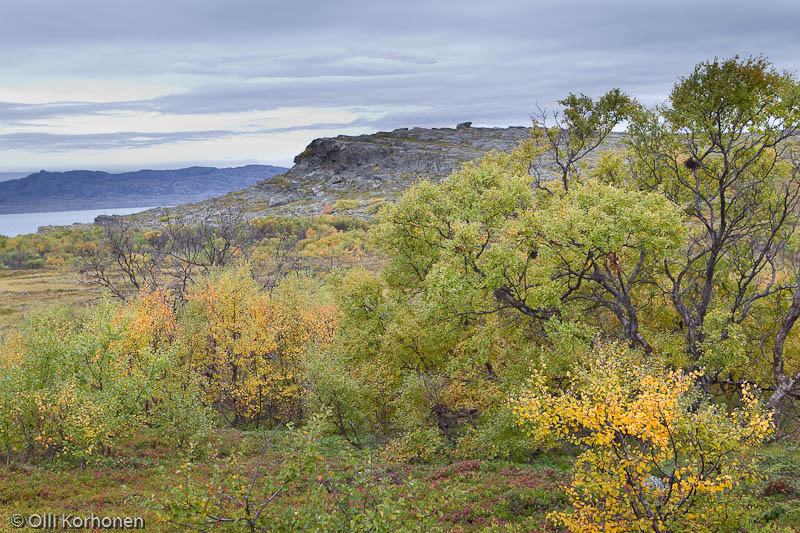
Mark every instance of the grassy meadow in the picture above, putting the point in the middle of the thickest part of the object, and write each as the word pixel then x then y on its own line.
pixel 23 290
pixel 142 477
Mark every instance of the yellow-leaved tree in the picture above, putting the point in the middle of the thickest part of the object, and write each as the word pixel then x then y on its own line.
pixel 248 343
pixel 656 456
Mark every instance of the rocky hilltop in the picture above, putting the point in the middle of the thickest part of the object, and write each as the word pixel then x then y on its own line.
pixel 370 161
pixel 351 174
pixel 361 168
pixel 384 163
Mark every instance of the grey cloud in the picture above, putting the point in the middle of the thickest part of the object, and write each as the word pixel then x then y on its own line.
pixel 51 142
pixel 26 21
pixel 517 85
pixel 296 65
pixel 491 63
pixel 47 142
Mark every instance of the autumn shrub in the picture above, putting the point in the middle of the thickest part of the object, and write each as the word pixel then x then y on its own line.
pixel 346 204
pixel 336 245
pixel 77 383
pixel 373 208
pixel 657 456
pixel 36 250
pixel 247 343
pixel 262 493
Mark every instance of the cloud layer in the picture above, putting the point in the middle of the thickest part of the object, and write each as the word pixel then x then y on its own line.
pixel 101 84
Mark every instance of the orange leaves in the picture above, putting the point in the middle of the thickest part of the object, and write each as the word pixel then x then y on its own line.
pixel 150 318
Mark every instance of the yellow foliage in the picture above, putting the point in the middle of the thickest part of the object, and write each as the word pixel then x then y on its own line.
pixel 658 458
pixel 250 345
pixel 150 320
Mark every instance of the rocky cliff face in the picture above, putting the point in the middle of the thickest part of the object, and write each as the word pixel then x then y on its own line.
pixel 373 161
pixel 383 164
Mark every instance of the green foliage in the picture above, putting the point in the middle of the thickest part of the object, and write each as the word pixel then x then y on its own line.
pixel 237 495
pixel 38 250
pixel 734 93
pixel 301 480
pixel 721 150
pixel 78 383
pixel 341 396
pixel 579 128
pixel 485 270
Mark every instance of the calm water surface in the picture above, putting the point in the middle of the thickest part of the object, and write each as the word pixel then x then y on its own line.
pixel 18 224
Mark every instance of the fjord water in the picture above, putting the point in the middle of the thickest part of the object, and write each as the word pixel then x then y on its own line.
pixel 21 223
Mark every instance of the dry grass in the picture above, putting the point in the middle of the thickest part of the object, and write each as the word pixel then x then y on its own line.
pixel 24 290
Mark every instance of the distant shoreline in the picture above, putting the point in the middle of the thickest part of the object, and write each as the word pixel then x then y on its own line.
pixel 15 224
pixel 47 192
pixel 153 202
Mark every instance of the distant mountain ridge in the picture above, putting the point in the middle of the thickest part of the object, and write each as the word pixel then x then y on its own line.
pixel 85 189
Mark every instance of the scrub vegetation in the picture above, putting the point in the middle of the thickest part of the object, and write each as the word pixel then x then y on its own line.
pixel 525 346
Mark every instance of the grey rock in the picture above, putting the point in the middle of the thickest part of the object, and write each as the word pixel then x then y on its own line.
pixel 275 201
pixel 654 484
pixel 378 165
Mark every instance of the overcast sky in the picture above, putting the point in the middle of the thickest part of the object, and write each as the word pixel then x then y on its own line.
pixel 119 84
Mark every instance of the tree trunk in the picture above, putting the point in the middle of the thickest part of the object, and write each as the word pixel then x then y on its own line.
pixel 783 384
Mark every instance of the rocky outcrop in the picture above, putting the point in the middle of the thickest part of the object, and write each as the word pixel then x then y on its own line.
pixel 384 163
pixel 373 161
pixel 364 169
